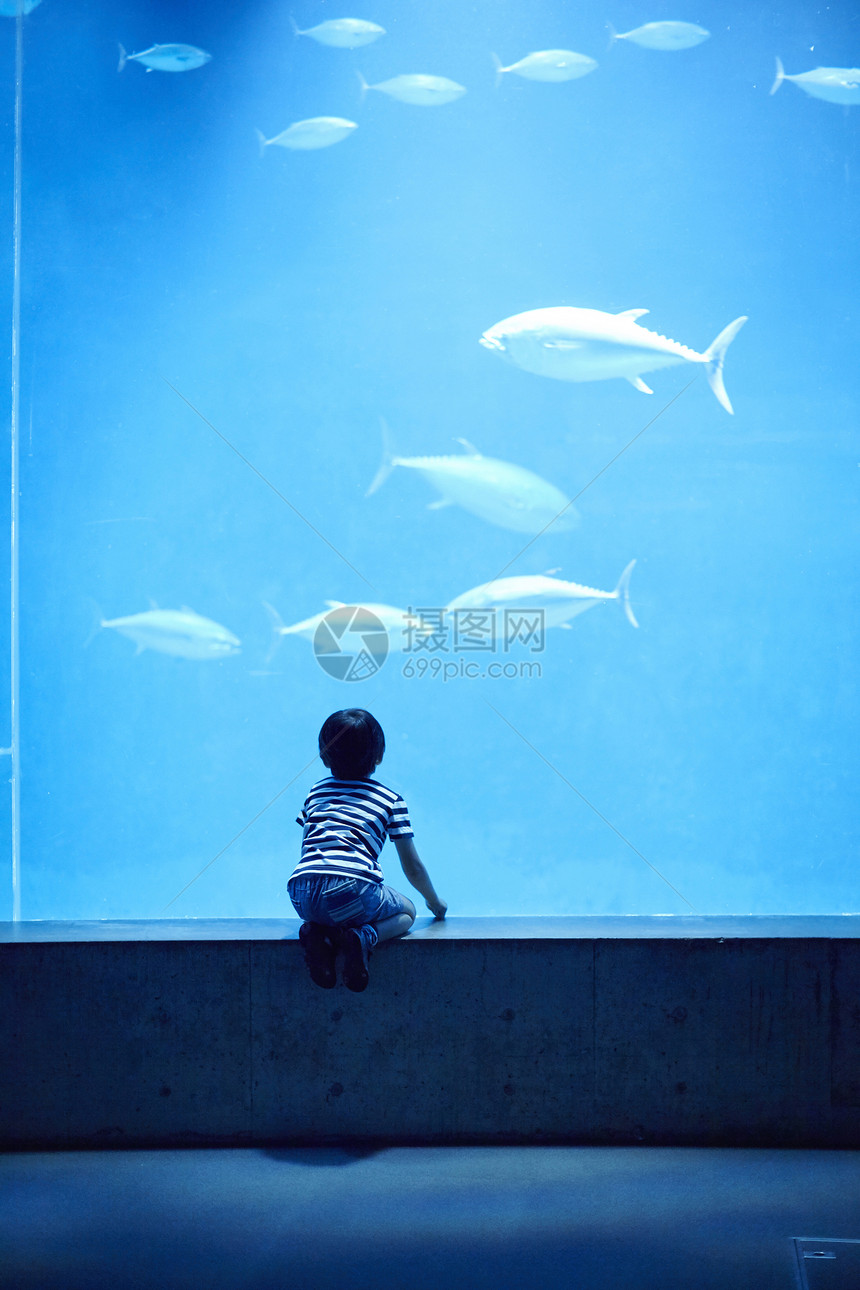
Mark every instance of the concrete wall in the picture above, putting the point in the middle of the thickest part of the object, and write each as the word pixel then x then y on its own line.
pixel 460 1038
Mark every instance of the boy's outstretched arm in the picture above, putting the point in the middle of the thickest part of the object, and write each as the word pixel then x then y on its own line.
pixel 418 876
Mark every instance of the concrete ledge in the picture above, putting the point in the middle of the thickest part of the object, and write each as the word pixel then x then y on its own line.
pixel 658 1031
pixel 623 926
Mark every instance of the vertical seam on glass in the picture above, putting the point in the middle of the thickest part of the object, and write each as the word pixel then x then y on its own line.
pixel 14 667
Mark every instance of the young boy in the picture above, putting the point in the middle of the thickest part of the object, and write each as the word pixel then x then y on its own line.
pixel 338 887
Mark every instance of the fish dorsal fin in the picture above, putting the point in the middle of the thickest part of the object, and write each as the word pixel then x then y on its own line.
pixel 639 384
pixel 550 573
pixel 632 314
pixel 335 604
pixel 469 447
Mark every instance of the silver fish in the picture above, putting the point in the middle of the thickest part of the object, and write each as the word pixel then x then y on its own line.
pixel 559 600
pixel 573 344
pixel 342 33
pixel 421 90
pixel 166 58
pixel 548 65
pixel 496 491
pixel 833 84
pixel 180 632
pixel 315 132
pixel 663 35
pixel 395 621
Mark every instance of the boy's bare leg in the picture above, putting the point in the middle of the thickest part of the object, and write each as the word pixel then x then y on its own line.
pixel 397 925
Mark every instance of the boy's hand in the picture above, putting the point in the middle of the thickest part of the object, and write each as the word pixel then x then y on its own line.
pixel 439 910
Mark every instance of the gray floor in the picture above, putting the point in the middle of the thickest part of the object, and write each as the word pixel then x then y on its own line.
pixel 484 1218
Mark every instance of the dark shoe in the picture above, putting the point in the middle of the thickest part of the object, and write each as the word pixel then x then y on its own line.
pixel 320 953
pixel 356 955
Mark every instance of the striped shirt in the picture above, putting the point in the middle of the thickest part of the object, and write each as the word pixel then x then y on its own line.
pixel 345 823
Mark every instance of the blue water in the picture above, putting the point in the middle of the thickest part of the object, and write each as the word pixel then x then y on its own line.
pixel 707 759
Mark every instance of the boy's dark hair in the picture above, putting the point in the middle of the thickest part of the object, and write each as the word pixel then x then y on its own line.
pixel 351 743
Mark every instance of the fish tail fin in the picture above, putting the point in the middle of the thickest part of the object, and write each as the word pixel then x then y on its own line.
pixel 497 63
pixel 780 76
pixel 295 26
pixel 387 464
pixel 622 591
pixel 261 139
pixel 123 59
pixel 277 629
pixel 613 35
pixel 714 357
pixel 364 85
pixel 97 623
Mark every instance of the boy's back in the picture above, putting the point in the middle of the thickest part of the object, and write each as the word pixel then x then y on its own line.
pixel 338 886
pixel 345 825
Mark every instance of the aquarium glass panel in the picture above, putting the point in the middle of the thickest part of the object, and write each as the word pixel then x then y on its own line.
pixel 491 367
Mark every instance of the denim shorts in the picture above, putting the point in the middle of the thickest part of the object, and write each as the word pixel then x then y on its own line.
pixel 339 901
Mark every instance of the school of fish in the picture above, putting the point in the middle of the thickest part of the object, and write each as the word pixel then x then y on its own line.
pixel 562 342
